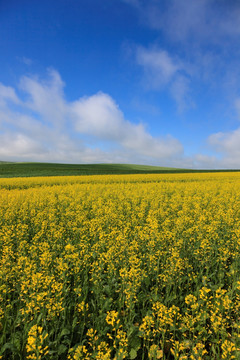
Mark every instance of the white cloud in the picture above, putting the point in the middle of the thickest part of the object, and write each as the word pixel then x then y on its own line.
pixel 180 91
pixel 163 71
pixel 26 61
pixel 180 19
pixel 158 64
pixel 227 146
pixel 227 143
pixel 98 115
pixel 205 35
pixel 45 97
pixel 40 125
pixel 45 127
pixel 201 20
pixel 13 144
pixel 201 161
pixel 7 94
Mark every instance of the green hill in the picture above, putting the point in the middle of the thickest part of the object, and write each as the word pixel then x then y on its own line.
pixel 52 169
pixel 27 169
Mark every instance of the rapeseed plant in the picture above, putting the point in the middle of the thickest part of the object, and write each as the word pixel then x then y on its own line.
pixel 120 267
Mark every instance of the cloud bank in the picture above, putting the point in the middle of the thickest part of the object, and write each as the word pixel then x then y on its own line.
pixel 38 124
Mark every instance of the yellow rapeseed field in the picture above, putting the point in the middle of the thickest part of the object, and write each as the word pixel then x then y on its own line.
pixel 120 267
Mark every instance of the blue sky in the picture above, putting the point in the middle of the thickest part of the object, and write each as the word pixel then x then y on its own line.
pixel 126 81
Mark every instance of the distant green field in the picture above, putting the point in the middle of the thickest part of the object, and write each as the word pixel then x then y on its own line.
pixel 27 169
pixel 51 169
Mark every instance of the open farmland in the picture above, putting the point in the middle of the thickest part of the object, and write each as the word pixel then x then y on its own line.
pixel 120 267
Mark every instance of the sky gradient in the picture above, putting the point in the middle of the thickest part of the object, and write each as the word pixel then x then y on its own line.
pixel 152 82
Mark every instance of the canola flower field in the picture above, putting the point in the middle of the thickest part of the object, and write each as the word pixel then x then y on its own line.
pixel 120 267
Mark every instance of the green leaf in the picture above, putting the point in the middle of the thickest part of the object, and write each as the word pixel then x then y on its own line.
pixel 66 341
pixel 74 323
pixel 39 318
pixel 16 340
pixel 133 354
pixel 8 346
pixel 64 331
pixel 62 349
pixel 135 342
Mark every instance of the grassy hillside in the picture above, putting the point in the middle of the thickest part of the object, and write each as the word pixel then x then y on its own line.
pixel 51 169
